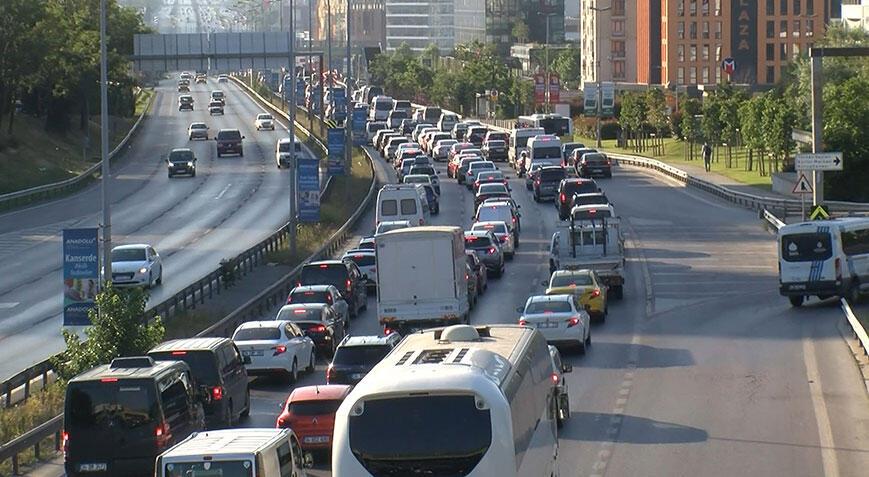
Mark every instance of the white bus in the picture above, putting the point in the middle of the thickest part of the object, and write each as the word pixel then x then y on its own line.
pixel 461 400
pixel 545 148
pixel 519 141
pixel 824 258
pixel 555 124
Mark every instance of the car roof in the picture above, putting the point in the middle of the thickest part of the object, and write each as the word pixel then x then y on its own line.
pixel 296 306
pixel 263 323
pixel 477 233
pixel 313 288
pixel 583 271
pixel 182 149
pixel 156 370
pixel 359 251
pixel 132 246
pixel 320 392
pixel 190 344
pixel 540 298
pixel 325 262
pixel 368 340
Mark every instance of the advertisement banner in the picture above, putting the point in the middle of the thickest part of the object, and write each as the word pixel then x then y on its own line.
pixel 539 88
pixel 589 104
pixel 340 99
pixel 300 91
pixel 554 88
pixel 358 131
pixel 335 144
pixel 81 274
pixel 308 189
pixel 743 41
pixel 608 99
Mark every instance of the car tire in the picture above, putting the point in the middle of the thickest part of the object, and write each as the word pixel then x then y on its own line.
pixel 617 291
pixel 241 154
pixel 246 411
pixel 796 301
pixel 228 416
pixel 160 277
pixel 536 197
pixel 150 282
pixel 294 372
pixel 580 347
pixel 364 303
pixel 509 256
pixel 170 175
pixel 218 154
pixel 588 338
pixel 311 363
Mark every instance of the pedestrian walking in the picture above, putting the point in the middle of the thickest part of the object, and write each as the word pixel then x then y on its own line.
pixel 707 155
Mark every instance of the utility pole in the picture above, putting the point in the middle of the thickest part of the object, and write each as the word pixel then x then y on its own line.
pixel 104 149
pixel 546 51
pixel 292 132
pixel 817 128
pixel 348 113
pixel 329 52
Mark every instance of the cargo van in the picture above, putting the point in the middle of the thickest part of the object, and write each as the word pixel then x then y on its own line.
pixel 380 108
pixel 447 121
pixel 824 258
pixel 119 417
pixel 237 453
pixel 403 202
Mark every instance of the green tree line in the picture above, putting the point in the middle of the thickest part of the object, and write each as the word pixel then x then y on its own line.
pixel 49 60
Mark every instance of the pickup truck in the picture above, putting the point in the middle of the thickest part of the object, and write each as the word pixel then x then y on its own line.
pixel 592 239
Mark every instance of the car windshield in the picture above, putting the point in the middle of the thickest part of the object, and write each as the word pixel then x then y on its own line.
pixel 570 280
pixel 128 255
pixel 229 135
pixel 264 116
pixel 181 155
pixel 284 146
pixel 314 408
pixel 202 363
pixel 360 355
pixel 477 242
pixel 807 247
pixel 536 307
pixel 257 334
pixel 385 436
pixel 324 274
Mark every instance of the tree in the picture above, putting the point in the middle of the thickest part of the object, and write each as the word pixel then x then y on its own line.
pixel 19 53
pixel 751 126
pixel 846 114
pixel 566 64
pixel 520 31
pixel 117 330
pixel 632 117
pixel 656 115
pixel 778 124
pixel 690 127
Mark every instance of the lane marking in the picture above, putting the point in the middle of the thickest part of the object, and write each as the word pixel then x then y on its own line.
pixel 825 431
pixel 225 189
pixel 8 305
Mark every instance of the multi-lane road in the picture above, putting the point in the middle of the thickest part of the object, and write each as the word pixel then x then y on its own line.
pixel 701 370
pixel 231 204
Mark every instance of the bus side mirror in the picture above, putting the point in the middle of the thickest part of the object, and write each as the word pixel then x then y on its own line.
pixel 308 460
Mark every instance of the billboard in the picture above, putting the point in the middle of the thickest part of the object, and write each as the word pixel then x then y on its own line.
pixel 607 99
pixel 743 38
pixel 589 104
pixel 81 274
pixel 539 88
pixel 554 88
pixel 359 134
pixel 308 189
pixel 335 144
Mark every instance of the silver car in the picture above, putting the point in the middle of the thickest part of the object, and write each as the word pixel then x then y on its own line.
pixel 488 250
pixel 197 131
pixel 560 318
pixel 502 232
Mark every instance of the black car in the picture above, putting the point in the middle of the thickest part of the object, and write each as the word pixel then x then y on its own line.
pixel 490 190
pixel 476 134
pixel 116 416
pixel 216 364
pixel 319 322
pixel 229 142
pixel 495 150
pixel 181 161
pixel 594 164
pixel 567 188
pixel 357 355
pixel 185 103
pixel 344 275
pixel 546 182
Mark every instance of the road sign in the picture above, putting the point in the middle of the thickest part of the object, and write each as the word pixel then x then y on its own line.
pixel 608 99
pixel 819 212
pixel 728 65
pixel 803 186
pixel 821 161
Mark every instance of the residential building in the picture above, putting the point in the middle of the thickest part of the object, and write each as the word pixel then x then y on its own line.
pixel 855 15
pixel 694 40
pixel 608 41
pixel 420 23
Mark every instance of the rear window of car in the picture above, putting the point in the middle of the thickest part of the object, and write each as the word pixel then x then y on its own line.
pixel 389 207
pixel 496 143
pixel 309 296
pixel 493 188
pixel 551 175
pixel 579 187
pixel 255 334
pixel 362 260
pixel 324 274
pixel 570 280
pixel 589 199
pixel 314 408
pixel 806 247
pixel 495 228
pixel 594 159
pixel 122 404
pixel 203 363
pixel 477 243
pixel 490 176
pixel 548 307
pixel 360 355
pixel 232 135
pixel 408 207
pixel 427 170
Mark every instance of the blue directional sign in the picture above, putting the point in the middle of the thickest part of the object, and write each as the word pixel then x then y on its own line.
pixel 358 131
pixel 308 188
pixel 340 98
pixel 81 275
pixel 335 144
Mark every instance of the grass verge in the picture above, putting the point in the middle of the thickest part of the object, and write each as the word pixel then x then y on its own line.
pixel 190 323
pixel 31 156
pixel 23 417
pixel 675 155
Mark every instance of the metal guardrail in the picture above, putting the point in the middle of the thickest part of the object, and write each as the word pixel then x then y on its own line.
pixel 43 192
pixel 32 439
pixel 859 332
pixel 771 219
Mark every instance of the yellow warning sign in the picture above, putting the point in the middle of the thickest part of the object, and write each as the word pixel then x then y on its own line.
pixel 819 212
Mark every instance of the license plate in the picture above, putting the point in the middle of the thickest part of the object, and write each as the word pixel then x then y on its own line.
pixel 92 467
pixel 315 439
pixel 254 352
pixel 548 324
pixel 800 286
pixel 597 170
pixel 357 375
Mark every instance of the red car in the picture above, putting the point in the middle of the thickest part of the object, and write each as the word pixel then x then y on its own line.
pixel 310 413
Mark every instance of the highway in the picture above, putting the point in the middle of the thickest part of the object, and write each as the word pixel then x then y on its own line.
pixel 231 204
pixel 703 369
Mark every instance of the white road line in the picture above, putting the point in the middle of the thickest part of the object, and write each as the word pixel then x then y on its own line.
pixel 225 189
pixel 8 305
pixel 825 431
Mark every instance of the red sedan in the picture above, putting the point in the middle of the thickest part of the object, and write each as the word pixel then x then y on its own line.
pixel 310 413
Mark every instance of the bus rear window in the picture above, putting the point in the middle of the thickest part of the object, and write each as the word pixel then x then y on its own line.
pixel 806 247
pixel 386 438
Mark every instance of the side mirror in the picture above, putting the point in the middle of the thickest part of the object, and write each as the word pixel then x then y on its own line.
pixel 246 359
pixel 519 309
pixel 365 276
pixel 566 368
pixel 308 460
pixel 281 406
pixel 242 137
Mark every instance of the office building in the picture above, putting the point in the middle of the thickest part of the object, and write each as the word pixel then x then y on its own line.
pixel 420 23
pixel 368 21
pixel 855 15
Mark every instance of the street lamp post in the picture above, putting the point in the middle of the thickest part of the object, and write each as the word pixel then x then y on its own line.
pixel 329 49
pixel 348 116
pixel 291 110
pixel 548 104
pixel 597 68
pixel 104 149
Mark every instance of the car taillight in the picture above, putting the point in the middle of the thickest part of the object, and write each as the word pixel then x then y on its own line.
pixel 65 443
pixel 289 299
pixel 572 322
pixel 537 181
pixel 388 331
pixel 347 284
pixel 279 349
pixel 476 183
pixel 491 251
pixel 523 323
pixel 281 422
pixel 838 265
pixel 216 393
pixel 595 293
pixel 555 378
pixel 318 328
pixel 505 239
pixel 562 197
pixel 467 277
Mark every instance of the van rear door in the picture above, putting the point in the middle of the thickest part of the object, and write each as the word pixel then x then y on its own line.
pixel 806 257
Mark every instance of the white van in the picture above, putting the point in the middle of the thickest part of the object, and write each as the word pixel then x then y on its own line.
pixel 824 258
pixel 447 121
pixel 519 142
pixel 380 108
pixel 238 452
pixel 282 151
pixel 403 202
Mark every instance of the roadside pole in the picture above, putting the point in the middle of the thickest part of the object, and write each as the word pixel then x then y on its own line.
pixel 292 131
pixel 348 116
pixel 104 150
pixel 817 139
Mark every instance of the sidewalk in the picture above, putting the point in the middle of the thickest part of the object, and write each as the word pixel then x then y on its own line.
pixel 719 179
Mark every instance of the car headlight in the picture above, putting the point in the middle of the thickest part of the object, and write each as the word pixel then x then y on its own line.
pixel 143 270
pixel 189 164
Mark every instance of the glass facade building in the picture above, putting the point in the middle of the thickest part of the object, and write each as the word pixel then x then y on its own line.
pixel 420 23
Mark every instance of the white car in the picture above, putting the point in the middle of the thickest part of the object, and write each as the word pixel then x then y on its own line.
pixel 417 179
pixel 275 347
pixel 560 318
pixel 327 294
pixel 502 233
pixel 282 151
pixel 197 131
pixel 389 225
pixel 366 260
pixel 441 151
pixel 264 121
pixel 223 79
pixel 136 265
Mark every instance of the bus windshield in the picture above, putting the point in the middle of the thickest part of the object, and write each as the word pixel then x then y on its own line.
pixel 386 439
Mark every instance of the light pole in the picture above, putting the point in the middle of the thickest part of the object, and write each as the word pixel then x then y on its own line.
pixel 348 113
pixel 104 149
pixel 547 16
pixel 291 110
pixel 328 48
pixel 597 67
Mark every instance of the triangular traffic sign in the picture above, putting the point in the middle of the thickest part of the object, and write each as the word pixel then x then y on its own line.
pixel 819 212
pixel 803 186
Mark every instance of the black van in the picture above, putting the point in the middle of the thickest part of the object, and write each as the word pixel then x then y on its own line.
pixel 216 364
pixel 119 417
